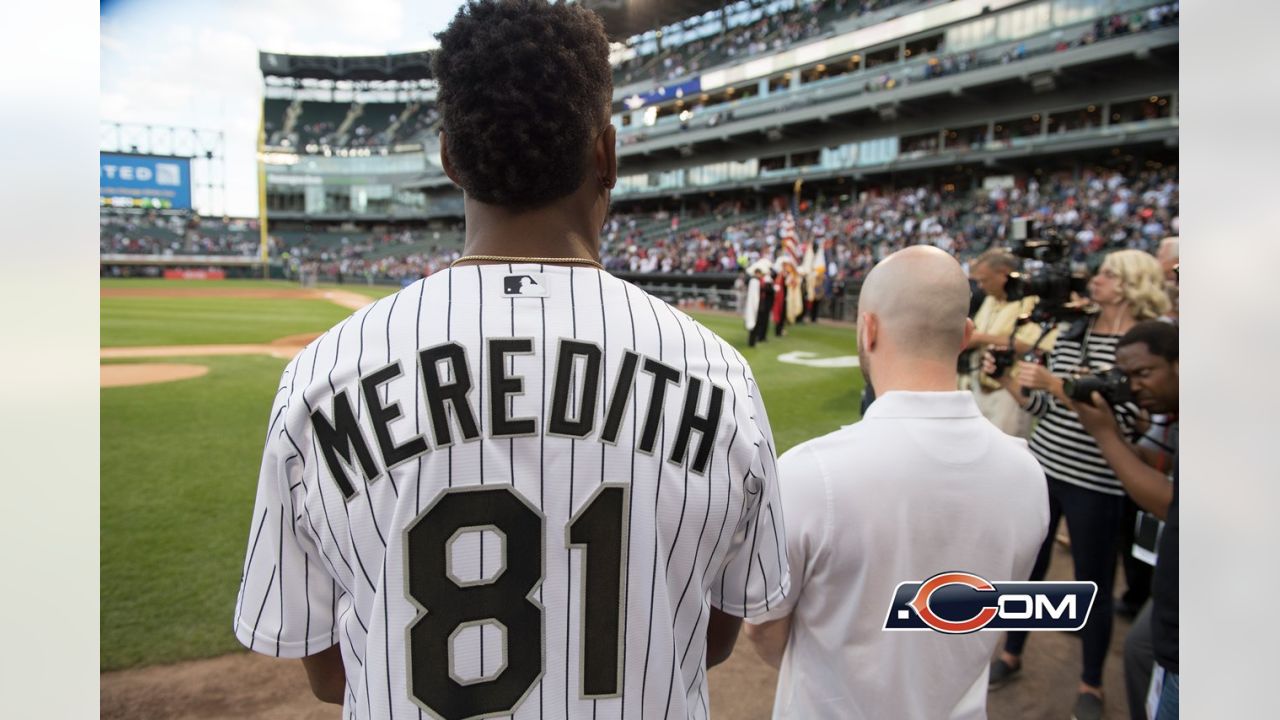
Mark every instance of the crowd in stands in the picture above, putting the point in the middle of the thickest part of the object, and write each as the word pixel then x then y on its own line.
pixel 367 258
pixel 318 123
pixel 1097 210
pixel 1104 28
pixel 423 122
pixel 176 235
pixel 776 31
pixel 358 256
pixel 941 64
pixel 368 134
pixel 378 125
pixel 771 32
pixel 422 118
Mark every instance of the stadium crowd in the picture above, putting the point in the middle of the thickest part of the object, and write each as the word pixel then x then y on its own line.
pixel 176 235
pixel 1097 210
pixel 356 261
pixel 939 64
pixel 770 32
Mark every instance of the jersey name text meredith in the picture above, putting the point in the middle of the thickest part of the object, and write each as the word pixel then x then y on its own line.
pixel 447 385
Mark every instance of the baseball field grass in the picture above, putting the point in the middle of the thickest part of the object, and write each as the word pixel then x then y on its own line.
pixel 128 321
pixel 180 459
pixel 179 468
pixel 133 320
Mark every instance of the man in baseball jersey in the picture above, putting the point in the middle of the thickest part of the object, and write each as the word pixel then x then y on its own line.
pixel 924 484
pixel 520 487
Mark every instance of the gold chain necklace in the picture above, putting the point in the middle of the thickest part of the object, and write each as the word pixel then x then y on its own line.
pixel 528 260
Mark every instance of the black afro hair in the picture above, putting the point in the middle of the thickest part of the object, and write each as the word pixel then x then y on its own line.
pixel 1161 338
pixel 524 87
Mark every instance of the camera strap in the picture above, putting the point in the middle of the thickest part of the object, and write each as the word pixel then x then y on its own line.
pixel 1045 329
pixel 1085 356
pixel 1084 347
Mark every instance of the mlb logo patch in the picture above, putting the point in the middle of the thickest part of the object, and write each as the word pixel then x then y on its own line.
pixel 528 285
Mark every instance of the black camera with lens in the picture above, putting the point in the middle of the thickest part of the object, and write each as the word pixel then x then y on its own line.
pixel 1055 280
pixel 1004 359
pixel 1112 385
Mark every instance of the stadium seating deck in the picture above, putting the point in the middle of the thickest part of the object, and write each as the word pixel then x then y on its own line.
pixel 319 121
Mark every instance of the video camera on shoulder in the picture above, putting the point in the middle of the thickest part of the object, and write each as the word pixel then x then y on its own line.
pixel 1055 280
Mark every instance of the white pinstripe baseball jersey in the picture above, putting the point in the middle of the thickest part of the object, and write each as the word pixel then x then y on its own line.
pixel 514 490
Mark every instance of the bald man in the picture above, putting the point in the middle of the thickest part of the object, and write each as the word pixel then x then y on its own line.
pixel 923 484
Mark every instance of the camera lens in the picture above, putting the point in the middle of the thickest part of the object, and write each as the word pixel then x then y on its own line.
pixel 1082 388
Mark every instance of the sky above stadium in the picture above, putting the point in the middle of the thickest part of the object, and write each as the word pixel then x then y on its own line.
pixel 195 64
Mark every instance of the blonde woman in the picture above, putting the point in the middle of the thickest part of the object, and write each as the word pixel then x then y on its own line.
pixel 1128 288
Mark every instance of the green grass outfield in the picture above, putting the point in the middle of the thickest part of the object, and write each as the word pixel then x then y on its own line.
pixel 148 321
pixel 179 470
pixel 180 463
pixel 374 291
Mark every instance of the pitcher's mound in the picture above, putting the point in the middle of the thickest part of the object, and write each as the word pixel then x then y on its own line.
pixel 146 373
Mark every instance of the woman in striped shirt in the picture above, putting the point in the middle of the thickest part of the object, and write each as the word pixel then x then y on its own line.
pixel 1128 288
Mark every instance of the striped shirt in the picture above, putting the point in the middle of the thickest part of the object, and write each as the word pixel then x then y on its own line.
pixel 516 491
pixel 1066 450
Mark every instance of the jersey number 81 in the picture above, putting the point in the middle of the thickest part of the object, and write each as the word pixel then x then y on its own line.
pixel 446 605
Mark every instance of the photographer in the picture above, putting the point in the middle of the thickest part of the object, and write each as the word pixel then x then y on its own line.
pixel 994 325
pixel 1148 355
pixel 1128 288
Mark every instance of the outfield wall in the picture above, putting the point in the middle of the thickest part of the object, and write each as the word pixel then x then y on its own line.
pixel 230 266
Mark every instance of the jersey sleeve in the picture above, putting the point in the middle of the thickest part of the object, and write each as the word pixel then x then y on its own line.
pixel 286 600
pixel 803 491
pixel 755 575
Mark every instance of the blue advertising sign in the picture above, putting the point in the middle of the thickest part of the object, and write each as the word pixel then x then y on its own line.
pixel 145 181
pixel 664 93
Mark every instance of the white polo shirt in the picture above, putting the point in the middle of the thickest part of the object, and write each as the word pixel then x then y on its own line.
pixel 923 484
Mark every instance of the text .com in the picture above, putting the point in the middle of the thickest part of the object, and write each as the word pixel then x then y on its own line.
pixel 960 602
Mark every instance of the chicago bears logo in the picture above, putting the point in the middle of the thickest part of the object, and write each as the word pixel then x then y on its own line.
pixel 957 603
